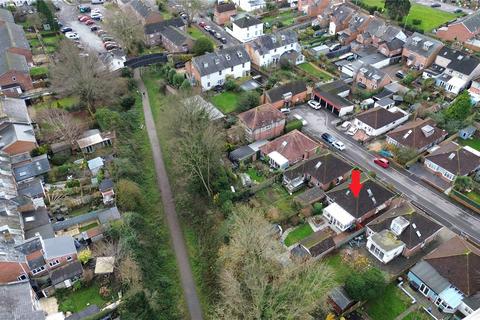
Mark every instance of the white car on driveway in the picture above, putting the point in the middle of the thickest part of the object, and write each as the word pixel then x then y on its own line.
pixel 346 125
pixel 72 35
pixel 299 117
pixel 352 130
pixel 338 145
pixel 314 104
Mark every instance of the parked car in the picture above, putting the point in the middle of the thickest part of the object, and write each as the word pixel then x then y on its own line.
pixel 98 1
pixel 72 35
pixel 335 46
pixel 338 145
pixel 328 138
pixel 83 18
pixel 435 5
pixel 382 162
pixel 202 24
pixel 66 29
pixel 212 32
pixel 458 11
pixel 89 22
pixel 314 104
pixel 346 125
pixel 223 40
pixel 218 35
pixel 207 28
pixel 400 74
pixel 106 38
pixel 111 46
pixel 94 28
pixel 84 9
pixel 352 130
pixel 96 16
pixel 285 110
pixel 218 88
pixel 299 117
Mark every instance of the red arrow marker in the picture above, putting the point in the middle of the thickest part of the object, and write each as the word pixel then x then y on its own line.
pixel 355 185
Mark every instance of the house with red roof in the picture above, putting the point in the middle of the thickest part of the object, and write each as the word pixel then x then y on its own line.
pixel 262 122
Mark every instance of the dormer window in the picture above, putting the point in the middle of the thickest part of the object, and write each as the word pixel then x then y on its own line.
pixel 205 64
pixel 239 54
pixel 227 56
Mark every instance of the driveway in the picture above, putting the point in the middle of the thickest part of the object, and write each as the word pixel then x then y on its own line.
pixel 68 16
pixel 435 204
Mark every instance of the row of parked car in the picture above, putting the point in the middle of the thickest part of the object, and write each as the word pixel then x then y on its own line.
pixel 212 31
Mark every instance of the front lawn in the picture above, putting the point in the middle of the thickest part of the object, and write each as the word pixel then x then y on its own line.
pixel 298 234
pixel 314 71
pixel 75 301
pixel 389 305
pixel 226 101
pixel 195 33
pixel 473 143
pixel 417 315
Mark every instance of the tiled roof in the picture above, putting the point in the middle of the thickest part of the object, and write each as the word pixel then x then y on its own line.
pixel 292 146
pixel 220 60
pixel 459 161
pixel 224 7
pixel 261 116
pixel 379 117
pixel 417 134
pixel 247 21
pixel 267 42
pixel 152 28
pixel 472 22
pixel 295 87
pixel 422 45
pixel 6 15
pixel 16 302
pixel 458 261
pixel 460 61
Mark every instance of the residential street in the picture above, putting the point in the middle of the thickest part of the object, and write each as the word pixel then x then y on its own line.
pixel 452 216
pixel 178 242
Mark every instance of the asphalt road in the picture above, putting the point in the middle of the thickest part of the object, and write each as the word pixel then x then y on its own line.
pixel 435 204
pixel 176 235
pixel 68 16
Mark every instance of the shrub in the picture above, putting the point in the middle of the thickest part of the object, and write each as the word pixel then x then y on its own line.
pixel 202 45
pixel 126 73
pixel 292 125
pixel 185 85
pixel 59 159
pixel 39 150
pixel 178 80
pixel 127 102
pixel 230 85
pixel 416 22
pixel 73 183
pixel 248 100
pixel 317 208
pixel 129 195
pixel 84 256
pixel 107 119
pixel 366 285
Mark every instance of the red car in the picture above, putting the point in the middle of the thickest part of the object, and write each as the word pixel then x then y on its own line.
pixel 202 24
pixel 83 18
pixel 382 162
pixel 89 22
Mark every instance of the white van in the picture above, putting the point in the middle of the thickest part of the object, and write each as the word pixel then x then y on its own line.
pixel 98 1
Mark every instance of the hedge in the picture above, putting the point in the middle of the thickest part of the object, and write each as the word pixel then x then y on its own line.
pixel 292 125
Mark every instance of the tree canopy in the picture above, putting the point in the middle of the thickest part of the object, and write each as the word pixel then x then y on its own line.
pixel 365 285
pixel 461 108
pixel 202 45
pixel 397 9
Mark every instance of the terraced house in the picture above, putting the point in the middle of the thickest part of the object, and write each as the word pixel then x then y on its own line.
pixel 212 69
pixel 420 51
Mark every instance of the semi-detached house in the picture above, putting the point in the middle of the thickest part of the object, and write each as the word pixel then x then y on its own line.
pixel 268 49
pixel 212 69
pixel 245 28
pixel 420 51
pixel 262 122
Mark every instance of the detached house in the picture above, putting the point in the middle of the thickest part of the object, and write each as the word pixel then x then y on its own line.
pixel 246 28
pixel 451 160
pixel 448 276
pixel 262 122
pixel 223 12
pixel 268 49
pixel 289 149
pixel 213 68
pixel 461 30
pixel 154 31
pixel 453 70
pixel 288 94
pixel 340 19
pixel 322 171
pixel 420 51
pixel 418 135
pixel 346 211
pixel 378 120
pixel 402 230
pixel 371 78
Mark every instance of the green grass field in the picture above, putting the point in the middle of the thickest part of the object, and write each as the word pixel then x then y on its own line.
pixel 431 17
pixel 66 102
pixel 255 175
pixel 389 305
pixel 195 33
pixel 339 267
pixel 38 71
pixel 286 17
pixel 226 101
pixel 298 234
pixel 473 143
pixel 314 71
pixel 75 301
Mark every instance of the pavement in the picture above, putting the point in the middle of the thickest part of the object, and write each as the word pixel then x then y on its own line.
pixel 447 7
pixel 433 203
pixel 68 16
pixel 176 235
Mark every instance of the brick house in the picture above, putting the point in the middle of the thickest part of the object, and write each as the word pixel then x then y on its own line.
pixel 313 8
pixel 420 51
pixel 419 135
pixel 402 230
pixel 174 40
pixel 340 19
pixel 289 94
pixel 371 78
pixel 357 25
pixel 223 12
pixel 322 171
pixel 262 122
pixel 143 12
pixel 391 48
pixel 463 30
pixel 344 211
pixel 289 149
pixel 153 31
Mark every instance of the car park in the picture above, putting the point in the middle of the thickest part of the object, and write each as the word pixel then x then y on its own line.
pixel 314 104
pixel 72 35
pixel 352 130
pixel 285 110
pixel 327 137
pixel 382 162
pixel 83 18
pixel 89 22
pixel 96 16
pixel 338 145
pixel 84 9
pixel 66 29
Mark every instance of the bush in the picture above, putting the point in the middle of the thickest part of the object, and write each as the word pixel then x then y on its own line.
pixel 129 195
pixel 126 73
pixel 202 45
pixel 84 256
pixel 317 208
pixel 39 150
pixel 292 125
pixel 185 85
pixel 230 85
pixel 178 80
pixel 366 285
pixel 248 100
pixel 127 102
pixel 107 119
pixel 73 183
pixel 59 159
pixel 416 22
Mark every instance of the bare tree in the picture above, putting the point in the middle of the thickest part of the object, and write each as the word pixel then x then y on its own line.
pixel 84 77
pixel 254 282
pixel 193 8
pixel 126 28
pixel 198 141
pixel 58 124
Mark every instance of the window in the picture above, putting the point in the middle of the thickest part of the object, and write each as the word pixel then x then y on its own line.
pixel 220 72
pixel 231 69
pixel 243 65
pixel 208 84
pixel 37 270
pixel 54 263
pixel 14 79
pixel 69 258
pixel 21 277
